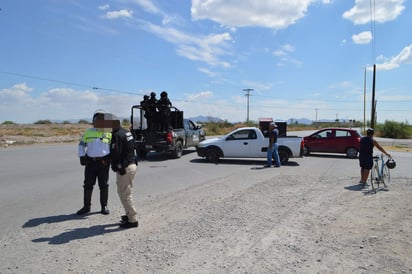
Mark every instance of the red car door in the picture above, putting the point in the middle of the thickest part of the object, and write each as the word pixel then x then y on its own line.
pixel 322 141
pixel 342 140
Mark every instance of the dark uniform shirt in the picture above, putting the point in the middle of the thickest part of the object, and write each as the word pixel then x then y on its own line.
pixel 122 149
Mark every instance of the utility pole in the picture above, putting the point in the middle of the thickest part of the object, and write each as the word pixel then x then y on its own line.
pixel 364 101
pixel 373 114
pixel 248 90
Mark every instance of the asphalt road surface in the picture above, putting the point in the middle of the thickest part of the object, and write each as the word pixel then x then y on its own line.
pixel 41 188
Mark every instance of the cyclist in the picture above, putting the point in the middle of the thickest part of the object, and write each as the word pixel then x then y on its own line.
pixel 366 154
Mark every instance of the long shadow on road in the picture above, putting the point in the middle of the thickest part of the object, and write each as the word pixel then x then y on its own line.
pixel 73 234
pixel 79 233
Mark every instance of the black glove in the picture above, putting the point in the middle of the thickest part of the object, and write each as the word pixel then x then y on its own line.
pixel 114 168
pixel 83 160
pixel 122 171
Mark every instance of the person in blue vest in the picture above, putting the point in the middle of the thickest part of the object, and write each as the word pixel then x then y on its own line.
pixel 94 153
pixel 273 146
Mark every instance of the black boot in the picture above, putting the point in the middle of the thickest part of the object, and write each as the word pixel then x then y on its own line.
pixel 87 198
pixel 104 196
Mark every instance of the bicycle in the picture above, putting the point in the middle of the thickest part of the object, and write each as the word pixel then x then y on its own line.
pixel 380 173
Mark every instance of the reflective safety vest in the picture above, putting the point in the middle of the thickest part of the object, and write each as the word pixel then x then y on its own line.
pixel 95 143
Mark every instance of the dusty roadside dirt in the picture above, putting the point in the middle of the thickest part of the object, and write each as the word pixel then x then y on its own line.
pixel 276 222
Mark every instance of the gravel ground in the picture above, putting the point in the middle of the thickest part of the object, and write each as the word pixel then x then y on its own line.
pixel 241 223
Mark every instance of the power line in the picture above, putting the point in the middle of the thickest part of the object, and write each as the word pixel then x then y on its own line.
pixel 67 82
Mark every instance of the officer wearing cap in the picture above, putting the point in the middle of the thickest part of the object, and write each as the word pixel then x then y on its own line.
pixel 272 151
pixel 94 153
pixel 366 154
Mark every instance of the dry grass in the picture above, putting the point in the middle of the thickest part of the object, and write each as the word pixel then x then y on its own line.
pixel 47 133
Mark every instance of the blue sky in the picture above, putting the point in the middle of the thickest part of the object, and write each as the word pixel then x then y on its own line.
pixel 62 60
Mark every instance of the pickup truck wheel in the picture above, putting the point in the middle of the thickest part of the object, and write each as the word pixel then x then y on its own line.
pixel 284 156
pixel 212 155
pixel 177 153
pixel 306 151
pixel 351 152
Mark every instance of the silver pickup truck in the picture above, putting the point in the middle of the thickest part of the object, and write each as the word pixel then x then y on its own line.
pixel 248 142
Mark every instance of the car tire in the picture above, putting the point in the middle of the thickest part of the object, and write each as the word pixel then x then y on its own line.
pixel 351 152
pixel 212 155
pixel 177 153
pixel 283 156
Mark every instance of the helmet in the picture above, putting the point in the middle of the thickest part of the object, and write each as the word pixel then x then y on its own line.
pixel 370 131
pixel 98 112
pixel 391 163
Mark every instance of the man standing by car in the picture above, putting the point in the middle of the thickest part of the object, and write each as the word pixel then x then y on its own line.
pixel 123 162
pixel 366 154
pixel 94 150
pixel 273 146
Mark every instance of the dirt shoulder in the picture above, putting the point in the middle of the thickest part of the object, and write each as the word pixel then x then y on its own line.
pixel 28 134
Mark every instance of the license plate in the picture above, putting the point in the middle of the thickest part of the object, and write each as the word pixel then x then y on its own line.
pixel 149 146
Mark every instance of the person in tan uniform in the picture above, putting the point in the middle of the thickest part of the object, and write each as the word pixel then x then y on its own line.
pixel 123 162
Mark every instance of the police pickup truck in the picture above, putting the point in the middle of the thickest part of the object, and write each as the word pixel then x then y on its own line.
pixel 149 136
pixel 248 142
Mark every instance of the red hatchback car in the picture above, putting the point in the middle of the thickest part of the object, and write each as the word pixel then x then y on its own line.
pixel 333 140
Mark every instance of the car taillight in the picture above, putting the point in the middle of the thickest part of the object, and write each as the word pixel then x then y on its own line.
pixel 169 137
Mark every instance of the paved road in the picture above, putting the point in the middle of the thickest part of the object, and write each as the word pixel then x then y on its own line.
pixel 46 180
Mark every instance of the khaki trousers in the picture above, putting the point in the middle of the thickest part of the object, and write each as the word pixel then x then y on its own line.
pixel 125 191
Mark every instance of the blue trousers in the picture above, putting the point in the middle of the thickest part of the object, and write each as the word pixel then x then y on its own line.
pixel 273 154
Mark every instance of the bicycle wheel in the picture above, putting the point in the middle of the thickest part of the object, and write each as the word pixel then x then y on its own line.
pixel 375 178
pixel 386 176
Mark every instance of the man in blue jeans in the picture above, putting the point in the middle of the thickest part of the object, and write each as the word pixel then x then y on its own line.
pixel 273 146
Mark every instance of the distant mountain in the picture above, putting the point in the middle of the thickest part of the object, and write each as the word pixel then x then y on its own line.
pixel 300 121
pixel 204 119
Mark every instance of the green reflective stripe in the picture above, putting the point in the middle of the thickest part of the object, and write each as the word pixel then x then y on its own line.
pixel 91 134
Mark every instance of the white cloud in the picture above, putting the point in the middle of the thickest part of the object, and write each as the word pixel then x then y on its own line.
pixel 148 6
pixel 362 38
pixel 203 48
pixel 59 104
pixel 104 7
pixel 9 97
pixel 199 96
pixel 275 14
pixel 119 14
pixel 208 72
pixel 284 50
pixel 383 11
pixel 404 57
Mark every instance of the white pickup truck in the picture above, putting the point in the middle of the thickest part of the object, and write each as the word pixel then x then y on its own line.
pixel 248 142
